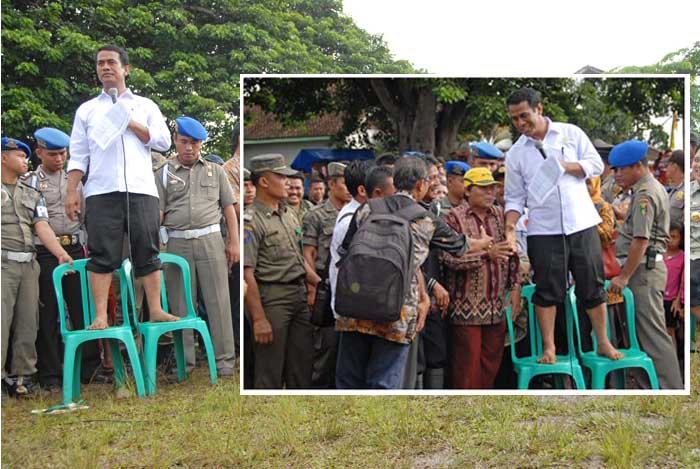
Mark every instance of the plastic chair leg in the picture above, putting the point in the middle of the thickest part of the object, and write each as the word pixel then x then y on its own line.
pixel 136 366
pixel 598 380
pixel 651 372
pixel 118 363
pixel 578 378
pixel 210 352
pixel 179 347
pixel 149 355
pixel 523 380
pixel 68 372
pixel 77 362
pixel 621 379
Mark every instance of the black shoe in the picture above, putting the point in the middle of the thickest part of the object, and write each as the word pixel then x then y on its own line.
pixel 21 386
pixel 100 376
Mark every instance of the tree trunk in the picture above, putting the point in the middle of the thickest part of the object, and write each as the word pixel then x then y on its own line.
pixel 449 122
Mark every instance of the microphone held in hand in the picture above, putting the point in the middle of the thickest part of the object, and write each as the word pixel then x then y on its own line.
pixel 540 148
pixel 112 92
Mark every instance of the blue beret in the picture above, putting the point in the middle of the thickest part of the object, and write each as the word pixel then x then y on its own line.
pixel 191 128
pixel 51 139
pixel 458 168
pixel 9 143
pixel 627 153
pixel 487 150
pixel 214 158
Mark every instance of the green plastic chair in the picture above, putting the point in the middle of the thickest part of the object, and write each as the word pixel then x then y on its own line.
pixel 527 367
pixel 151 331
pixel 74 339
pixel 693 331
pixel 600 366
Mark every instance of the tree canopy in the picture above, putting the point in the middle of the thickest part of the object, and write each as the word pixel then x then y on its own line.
pixel 185 55
pixel 435 114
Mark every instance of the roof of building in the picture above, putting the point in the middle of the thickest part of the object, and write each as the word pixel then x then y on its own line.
pixel 263 125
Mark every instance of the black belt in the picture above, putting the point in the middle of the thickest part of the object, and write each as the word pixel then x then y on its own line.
pixel 63 240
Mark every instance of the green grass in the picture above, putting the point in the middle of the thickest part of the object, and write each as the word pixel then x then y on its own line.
pixel 194 424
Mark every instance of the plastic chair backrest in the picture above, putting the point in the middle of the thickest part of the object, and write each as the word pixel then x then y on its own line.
pixel 629 316
pixel 165 258
pixel 79 267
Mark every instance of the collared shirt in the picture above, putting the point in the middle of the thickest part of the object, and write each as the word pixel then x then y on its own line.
pixel 22 207
pixel 194 196
pixel 647 217
pixel 232 167
pixel 694 220
pixel 339 232
pixel 676 199
pixel 570 144
pixel 317 227
pixel 404 329
pixel 53 187
pixel 272 244
pixel 106 167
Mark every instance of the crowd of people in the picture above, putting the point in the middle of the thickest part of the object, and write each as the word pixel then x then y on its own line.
pixel 116 197
pixel 338 298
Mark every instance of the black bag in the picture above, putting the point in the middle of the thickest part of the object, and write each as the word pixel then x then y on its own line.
pixel 375 273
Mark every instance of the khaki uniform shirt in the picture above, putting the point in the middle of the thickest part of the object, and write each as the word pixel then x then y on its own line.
pixel 272 244
pixel 232 167
pixel 647 217
pixel 192 197
pixel 305 207
pixel 676 198
pixel 53 188
pixel 22 207
pixel 318 230
pixel 694 220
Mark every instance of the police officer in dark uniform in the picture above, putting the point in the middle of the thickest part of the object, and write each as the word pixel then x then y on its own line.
pixel 51 180
pixel 275 274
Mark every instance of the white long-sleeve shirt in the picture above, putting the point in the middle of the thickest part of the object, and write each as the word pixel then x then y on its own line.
pixel 107 166
pixel 341 229
pixel 570 144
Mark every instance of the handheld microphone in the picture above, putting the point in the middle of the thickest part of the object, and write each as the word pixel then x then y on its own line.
pixel 540 148
pixel 112 92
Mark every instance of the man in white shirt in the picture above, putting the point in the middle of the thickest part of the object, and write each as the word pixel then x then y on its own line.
pixel 118 173
pixel 562 234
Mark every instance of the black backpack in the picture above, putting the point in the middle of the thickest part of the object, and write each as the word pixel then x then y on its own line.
pixel 375 273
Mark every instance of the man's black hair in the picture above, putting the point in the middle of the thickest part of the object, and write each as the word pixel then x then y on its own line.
pixel 678 158
pixel 407 173
pixel 430 160
pixel 123 56
pixel 297 175
pixel 377 177
pixel 356 173
pixel 530 95
pixel 387 158
pixel 315 179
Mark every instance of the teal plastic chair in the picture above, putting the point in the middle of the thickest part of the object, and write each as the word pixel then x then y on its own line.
pixel 693 331
pixel 151 331
pixel 600 366
pixel 527 367
pixel 74 339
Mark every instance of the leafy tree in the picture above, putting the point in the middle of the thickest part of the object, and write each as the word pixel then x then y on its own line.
pixel 684 60
pixel 434 114
pixel 185 55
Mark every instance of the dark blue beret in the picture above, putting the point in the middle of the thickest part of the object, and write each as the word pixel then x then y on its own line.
pixel 214 158
pixel 51 139
pixel 627 153
pixel 487 150
pixel 9 143
pixel 458 168
pixel 191 128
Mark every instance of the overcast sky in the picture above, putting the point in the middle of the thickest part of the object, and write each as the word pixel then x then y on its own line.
pixel 528 38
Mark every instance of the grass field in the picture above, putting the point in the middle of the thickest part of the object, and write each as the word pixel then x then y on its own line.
pixel 193 424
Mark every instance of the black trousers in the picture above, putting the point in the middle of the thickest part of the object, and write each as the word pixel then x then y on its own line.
pixel 234 290
pixel 49 344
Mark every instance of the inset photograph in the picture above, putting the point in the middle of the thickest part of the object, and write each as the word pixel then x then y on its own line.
pixel 442 235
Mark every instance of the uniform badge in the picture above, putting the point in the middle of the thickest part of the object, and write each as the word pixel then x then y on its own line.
pixel 695 217
pixel 643 206
pixel 679 195
pixel 43 186
pixel 247 234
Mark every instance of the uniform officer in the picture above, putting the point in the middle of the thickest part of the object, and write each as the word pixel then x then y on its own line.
pixel 193 194
pixel 695 237
pixel 51 180
pixel 675 175
pixel 455 171
pixel 486 155
pixel 641 241
pixel 274 270
pixel 318 225
pixel 295 196
pixel 23 207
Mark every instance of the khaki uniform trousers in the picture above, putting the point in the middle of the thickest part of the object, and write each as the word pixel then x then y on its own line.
pixel 208 269
pixel 20 315
pixel 287 361
pixel 648 288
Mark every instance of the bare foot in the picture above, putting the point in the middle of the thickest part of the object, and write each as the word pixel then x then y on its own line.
pixel 548 357
pixel 607 350
pixel 162 316
pixel 98 324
